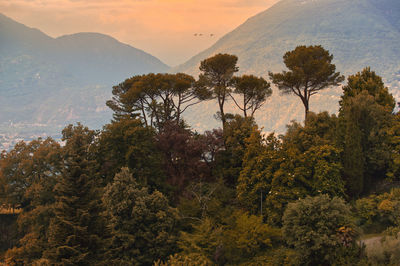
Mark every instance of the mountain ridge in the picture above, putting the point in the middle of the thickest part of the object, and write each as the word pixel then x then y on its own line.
pixel 47 83
pixel 357 33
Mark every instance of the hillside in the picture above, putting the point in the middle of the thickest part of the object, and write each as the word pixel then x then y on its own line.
pixel 46 83
pixel 358 33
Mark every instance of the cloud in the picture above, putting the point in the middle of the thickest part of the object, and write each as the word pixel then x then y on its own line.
pixel 164 28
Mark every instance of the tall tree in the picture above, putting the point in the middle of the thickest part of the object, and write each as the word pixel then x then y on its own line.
pixel 182 154
pixel 128 143
pixel 78 231
pixel 155 98
pixel 368 81
pixel 142 223
pixel 310 71
pixel 216 76
pixel 365 119
pixel 253 90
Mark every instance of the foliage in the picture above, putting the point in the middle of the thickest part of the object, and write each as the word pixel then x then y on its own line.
pixel 213 200
pixel 260 161
pixel 377 212
pixel 142 223
pixel 229 161
pixel 127 143
pixel 368 81
pixel 365 120
pixel 319 229
pixel 38 165
pixel 394 135
pixel 245 238
pixel 155 98
pixel 310 70
pixel 77 234
pixel 182 156
pixel 184 260
pixel 253 91
pixel 216 76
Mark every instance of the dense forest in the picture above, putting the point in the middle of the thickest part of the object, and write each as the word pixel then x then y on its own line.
pixel 149 190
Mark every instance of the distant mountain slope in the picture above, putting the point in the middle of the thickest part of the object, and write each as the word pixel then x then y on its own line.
pixel 358 33
pixel 46 83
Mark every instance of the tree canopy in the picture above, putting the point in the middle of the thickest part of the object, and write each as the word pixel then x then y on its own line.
pixel 310 71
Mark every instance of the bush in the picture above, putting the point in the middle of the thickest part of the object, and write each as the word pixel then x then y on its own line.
pixel 320 230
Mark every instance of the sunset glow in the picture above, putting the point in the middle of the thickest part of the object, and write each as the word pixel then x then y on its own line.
pixel 164 28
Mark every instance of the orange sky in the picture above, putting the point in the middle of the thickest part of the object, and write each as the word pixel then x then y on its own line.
pixel 164 28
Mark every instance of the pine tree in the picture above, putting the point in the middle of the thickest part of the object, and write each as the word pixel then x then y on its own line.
pixel 77 233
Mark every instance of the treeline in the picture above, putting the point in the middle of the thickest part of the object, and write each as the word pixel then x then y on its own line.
pixel 148 190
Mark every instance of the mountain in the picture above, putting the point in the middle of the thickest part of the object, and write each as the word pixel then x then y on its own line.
pixel 46 83
pixel 358 33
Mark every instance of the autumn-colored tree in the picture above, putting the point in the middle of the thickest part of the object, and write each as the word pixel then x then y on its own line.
pixel 39 162
pixel 260 161
pixel 253 92
pixel 243 239
pixel 217 72
pixel 310 71
pixel 304 162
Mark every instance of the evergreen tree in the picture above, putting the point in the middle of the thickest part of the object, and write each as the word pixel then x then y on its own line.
pixel 78 232
pixel 365 120
pixel 310 71
pixel 253 91
pixel 128 143
pixel 216 77
pixel 142 223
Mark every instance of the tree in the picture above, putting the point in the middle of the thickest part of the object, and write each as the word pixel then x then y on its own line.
pixel 260 161
pixel 243 239
pixel 320 230
pixel 216 76
pixel 310 71
pixel 254 92
pixel 39 164
pixel 128 143
pixel 182 154
pixel 77 234
pixel 229 161
pixel 155 98
pixel 364 131
pixel 394 133
pixel 142 223
pixel 368 81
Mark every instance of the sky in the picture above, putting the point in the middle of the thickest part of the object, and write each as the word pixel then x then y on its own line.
pixel 164 28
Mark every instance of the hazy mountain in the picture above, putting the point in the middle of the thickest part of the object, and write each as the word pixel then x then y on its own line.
pixel 358 33
pixel 46 83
